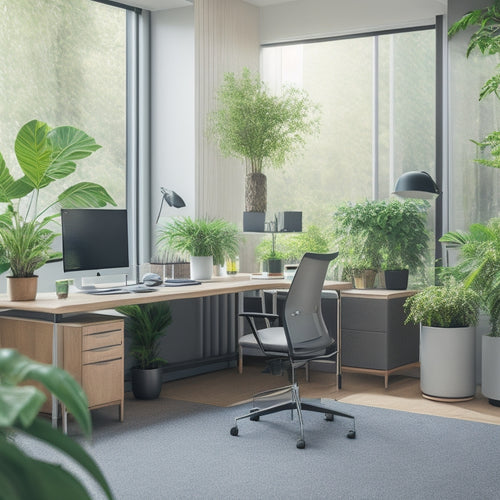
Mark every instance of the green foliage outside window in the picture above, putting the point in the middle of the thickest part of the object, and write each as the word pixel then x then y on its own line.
pixel 485 39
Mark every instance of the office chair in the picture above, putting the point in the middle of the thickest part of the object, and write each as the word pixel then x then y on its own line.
pixel 303 338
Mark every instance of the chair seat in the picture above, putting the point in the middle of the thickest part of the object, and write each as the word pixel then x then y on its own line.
pixel 274 342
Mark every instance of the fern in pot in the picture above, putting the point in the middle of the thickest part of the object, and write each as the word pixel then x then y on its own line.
pixel 208 242
pixel 447 315
pixel 146 324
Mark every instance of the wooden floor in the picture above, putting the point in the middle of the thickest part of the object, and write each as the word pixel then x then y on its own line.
pixel 228 388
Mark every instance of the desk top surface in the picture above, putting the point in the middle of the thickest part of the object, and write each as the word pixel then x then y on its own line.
pixel 82 302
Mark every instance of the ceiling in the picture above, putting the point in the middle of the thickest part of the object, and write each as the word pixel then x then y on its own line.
pixel 172 4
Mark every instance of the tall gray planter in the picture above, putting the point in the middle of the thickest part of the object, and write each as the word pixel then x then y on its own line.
pixel 490 371
pixel 447 363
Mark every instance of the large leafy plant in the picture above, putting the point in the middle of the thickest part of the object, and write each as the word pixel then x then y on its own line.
pixel 45 155
pixel 381 234
pixel 21 476
pixel 486 39
pixel 479 265
pixel 263 129
pixel 146 324
pixel 201 238
pixel 450 305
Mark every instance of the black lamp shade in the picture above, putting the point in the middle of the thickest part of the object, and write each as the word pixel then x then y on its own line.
pixel 416 184
pixel 172 198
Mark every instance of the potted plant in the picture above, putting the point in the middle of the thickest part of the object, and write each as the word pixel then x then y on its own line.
pixel 44 155
pixel 359 241
pixel 23 476
pixel 447 316
pixel 381 235
pixel 146 324
pixel 208 242
pixel 479 266
pixel 264 130
pixel 403 223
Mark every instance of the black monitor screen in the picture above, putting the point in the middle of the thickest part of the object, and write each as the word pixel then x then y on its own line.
pixel 94 239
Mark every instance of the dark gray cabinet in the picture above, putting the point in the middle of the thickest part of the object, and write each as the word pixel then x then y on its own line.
pixel 374 337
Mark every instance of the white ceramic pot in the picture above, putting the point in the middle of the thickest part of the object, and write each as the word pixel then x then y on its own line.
pixel 490 371
pixel 447 362
pixel 201 267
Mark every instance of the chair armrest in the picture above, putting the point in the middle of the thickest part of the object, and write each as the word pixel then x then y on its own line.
pixel 258 315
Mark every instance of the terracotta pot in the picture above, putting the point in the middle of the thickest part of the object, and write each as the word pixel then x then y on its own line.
pixel 365 278
pixel 22 288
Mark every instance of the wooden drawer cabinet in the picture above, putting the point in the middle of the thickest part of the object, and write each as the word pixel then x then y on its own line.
pixel 90 347
pixel 93 354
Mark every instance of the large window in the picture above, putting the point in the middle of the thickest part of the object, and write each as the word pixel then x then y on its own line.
pixel 378 100
pixel 64 62
pixel 377 96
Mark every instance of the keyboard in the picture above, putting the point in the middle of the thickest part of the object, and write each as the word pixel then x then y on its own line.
pixel 106 291
pixel 140 289
pixel 181 282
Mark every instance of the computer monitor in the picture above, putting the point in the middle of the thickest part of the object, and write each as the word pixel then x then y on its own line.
pixel 94 239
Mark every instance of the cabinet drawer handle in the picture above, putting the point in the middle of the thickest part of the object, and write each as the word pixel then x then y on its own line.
pixel 102 349
pixel 105 362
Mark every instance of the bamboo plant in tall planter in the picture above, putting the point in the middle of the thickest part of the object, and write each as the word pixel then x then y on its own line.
pixel 45 155
pixel 264 130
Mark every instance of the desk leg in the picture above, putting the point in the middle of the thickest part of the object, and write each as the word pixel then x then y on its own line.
pixel 55 354
pixel 339 343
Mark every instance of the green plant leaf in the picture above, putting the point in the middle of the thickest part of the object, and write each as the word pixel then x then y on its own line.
pixel 46 481
pixel 19 403
pixel 42 430
pixel 15 368
pixel 33 152
pixel 68 145
pixel 9 188
pixel 85 195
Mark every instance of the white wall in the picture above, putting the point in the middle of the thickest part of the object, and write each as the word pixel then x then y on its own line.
pixel 304 19
pixel 172 110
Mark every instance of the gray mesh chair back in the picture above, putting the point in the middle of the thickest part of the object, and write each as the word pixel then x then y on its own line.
pixel 303 320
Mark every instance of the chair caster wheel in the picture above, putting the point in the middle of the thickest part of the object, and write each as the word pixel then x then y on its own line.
pixel 350 434
pixel 234 431
pixel 301 444
pixel 257 417
pixel 329 417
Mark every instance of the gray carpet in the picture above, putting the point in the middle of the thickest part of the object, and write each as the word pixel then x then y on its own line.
pixel 169 449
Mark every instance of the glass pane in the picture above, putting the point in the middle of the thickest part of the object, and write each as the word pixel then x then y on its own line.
pixel 474 189
pixel 336 166
pixel 64 62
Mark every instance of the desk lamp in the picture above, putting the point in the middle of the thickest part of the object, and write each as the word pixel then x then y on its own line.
pixel 172 199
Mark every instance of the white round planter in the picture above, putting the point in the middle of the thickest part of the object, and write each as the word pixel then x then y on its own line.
pixel 490 369
pixel 201 267
pixel 447 363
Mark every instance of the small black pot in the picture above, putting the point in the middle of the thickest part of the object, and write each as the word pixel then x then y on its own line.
pixel 274 266
pixel 396 279
pixel 146 384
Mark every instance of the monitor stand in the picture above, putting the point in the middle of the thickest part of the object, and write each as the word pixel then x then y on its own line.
pixel 98 281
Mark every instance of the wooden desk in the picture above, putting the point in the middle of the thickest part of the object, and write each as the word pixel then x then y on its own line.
pixel 48 307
